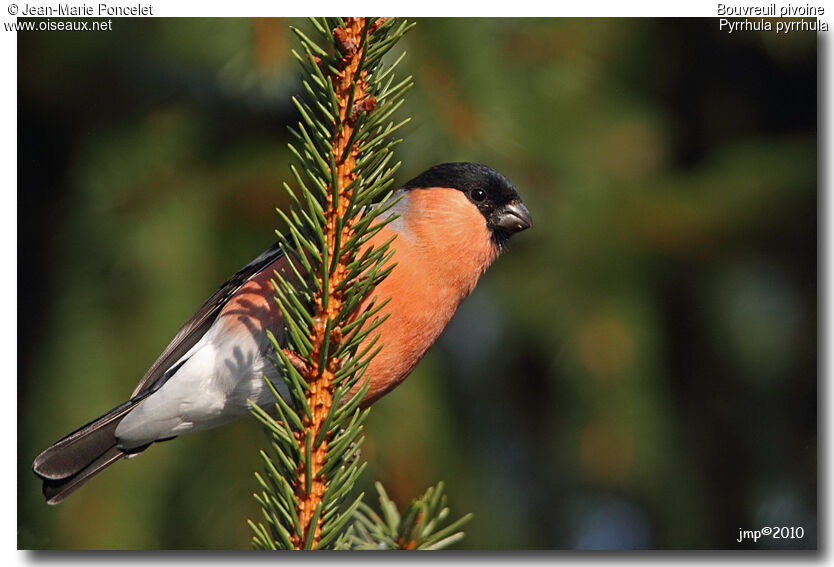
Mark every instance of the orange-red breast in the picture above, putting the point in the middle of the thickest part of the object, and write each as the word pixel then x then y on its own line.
pixel 453 221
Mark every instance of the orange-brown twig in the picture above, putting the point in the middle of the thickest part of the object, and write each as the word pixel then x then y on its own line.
pixel 320 379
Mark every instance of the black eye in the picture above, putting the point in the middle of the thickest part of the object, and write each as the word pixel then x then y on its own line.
pixel 477 195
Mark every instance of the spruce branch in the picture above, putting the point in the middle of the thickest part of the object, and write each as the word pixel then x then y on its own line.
pixel 343 151
pixel 341 200
pixel 420 526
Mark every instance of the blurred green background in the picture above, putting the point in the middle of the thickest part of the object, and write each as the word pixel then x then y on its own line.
pixel 637 371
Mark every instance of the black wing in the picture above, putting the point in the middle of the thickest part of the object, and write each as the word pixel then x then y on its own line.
pixel 196 327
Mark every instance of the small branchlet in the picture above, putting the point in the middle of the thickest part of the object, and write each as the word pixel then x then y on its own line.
pixel 419 526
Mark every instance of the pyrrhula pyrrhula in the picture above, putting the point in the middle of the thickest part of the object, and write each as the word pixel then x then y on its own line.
pixel 453 222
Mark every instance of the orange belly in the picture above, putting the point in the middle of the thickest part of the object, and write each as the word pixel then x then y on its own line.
pixel 434 272
pixel 414 322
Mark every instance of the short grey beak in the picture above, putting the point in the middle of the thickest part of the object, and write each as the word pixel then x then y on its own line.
pixel 513 217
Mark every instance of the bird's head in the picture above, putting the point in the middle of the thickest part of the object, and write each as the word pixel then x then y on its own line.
pixel 449 194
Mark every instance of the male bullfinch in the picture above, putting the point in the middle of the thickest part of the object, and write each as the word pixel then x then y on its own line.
pixel 453 221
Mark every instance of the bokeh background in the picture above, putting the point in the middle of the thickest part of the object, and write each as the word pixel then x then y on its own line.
pixel 638 371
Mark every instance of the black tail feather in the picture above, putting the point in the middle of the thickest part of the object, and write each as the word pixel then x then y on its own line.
pixel 57 490
pixel 78 457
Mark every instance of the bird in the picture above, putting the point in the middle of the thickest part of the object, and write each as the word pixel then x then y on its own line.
pixel 450 222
